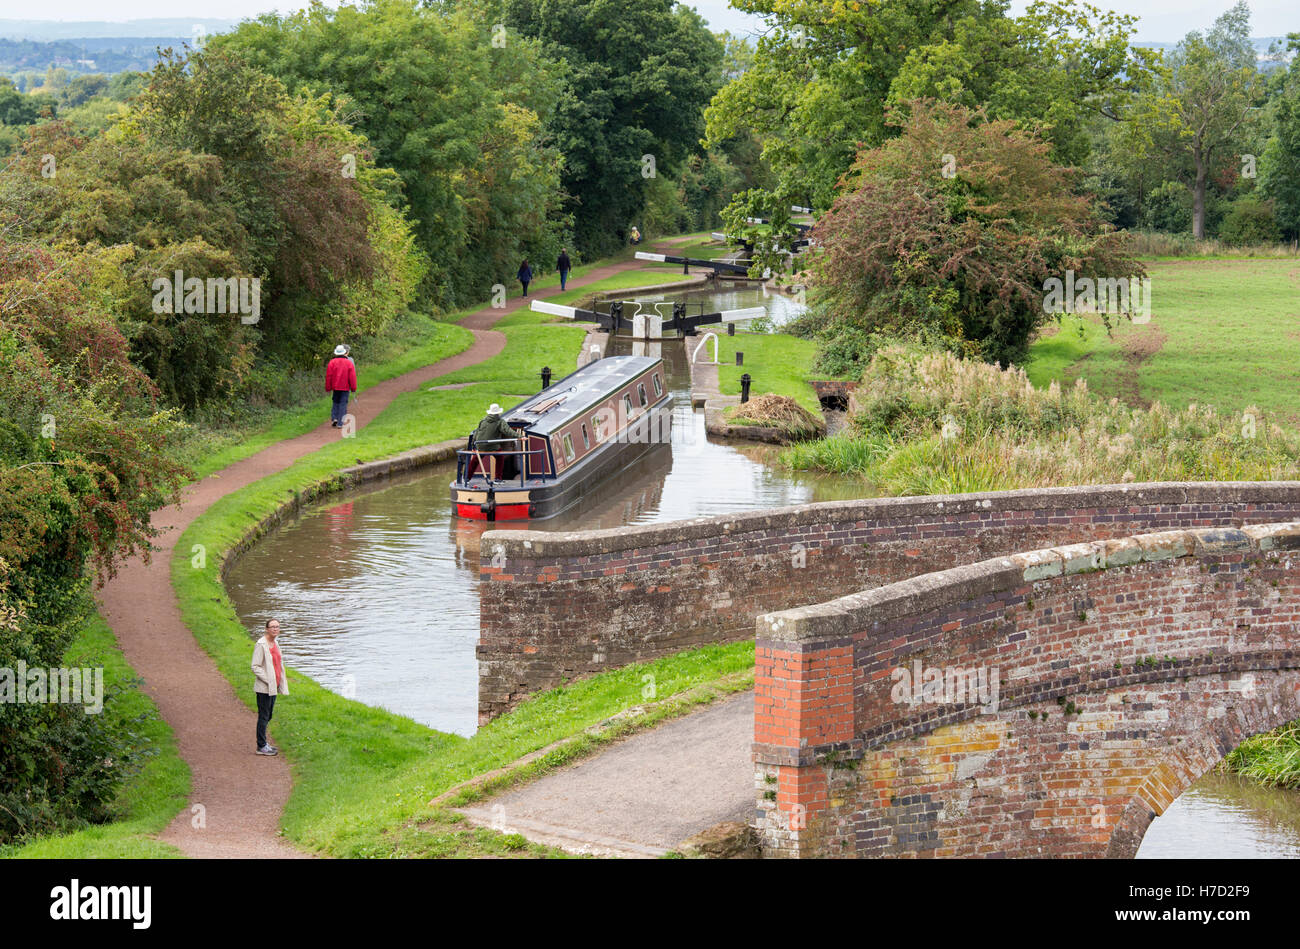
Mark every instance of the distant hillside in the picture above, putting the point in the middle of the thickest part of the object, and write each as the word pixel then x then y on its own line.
pixel 47 30
pixel 28 46
pixel 85 54
pixel 1261 43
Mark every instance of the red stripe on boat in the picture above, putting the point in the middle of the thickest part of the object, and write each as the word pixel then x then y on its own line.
pixel 505 512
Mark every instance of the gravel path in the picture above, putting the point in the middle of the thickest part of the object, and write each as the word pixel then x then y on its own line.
pixel 238 796
pixel 646 794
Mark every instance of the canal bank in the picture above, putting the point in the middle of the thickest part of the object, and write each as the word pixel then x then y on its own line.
pixel 145 630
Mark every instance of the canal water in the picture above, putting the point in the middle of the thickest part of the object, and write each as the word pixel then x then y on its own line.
pixel 730 295
pixel 1223 815
pixel 376 591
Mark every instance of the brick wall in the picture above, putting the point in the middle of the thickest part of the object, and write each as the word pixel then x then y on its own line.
pixel 561 605
pixel 1107 677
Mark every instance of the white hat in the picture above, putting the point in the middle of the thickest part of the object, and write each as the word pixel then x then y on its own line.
pixel 340 350
pixel 494 409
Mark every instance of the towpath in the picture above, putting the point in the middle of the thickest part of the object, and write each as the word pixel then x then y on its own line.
pixel 646 794
pixel 237 796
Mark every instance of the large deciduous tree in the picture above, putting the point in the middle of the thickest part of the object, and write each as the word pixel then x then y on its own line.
pixel 1199 110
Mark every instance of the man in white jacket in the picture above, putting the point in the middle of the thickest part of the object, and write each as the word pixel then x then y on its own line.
pixel 269 681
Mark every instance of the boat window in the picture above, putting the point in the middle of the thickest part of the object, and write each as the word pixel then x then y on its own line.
pixel 568 447
pixel 586 442
pixel 627 405
pixel 640 390
pixel 659 389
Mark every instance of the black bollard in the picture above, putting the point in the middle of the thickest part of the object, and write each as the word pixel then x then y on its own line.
pixel 740 358
pixel 546 377
pixel 744 388
pixel 731 331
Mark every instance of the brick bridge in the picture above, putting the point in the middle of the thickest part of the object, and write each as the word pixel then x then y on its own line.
pixel 1040 703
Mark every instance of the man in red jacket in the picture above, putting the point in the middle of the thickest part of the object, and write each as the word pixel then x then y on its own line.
pixel 340 379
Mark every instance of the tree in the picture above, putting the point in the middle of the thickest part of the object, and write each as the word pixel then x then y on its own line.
pixel 956 255
pixel 1050 70
pixel 1198 111
pixel 83 463
pixel 637 75
pixel 822 77
pixel 1280 163
pixel 429 92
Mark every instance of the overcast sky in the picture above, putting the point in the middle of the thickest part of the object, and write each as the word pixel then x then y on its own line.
pixel 1162 20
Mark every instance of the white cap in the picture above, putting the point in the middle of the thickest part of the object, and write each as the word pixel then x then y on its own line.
pixel 494 409
pixel 340 350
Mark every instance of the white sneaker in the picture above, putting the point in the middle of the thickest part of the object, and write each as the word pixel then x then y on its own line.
pixel 267 750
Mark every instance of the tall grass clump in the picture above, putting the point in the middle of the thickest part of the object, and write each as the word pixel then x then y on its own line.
pixel 928 422
pixel 1272 759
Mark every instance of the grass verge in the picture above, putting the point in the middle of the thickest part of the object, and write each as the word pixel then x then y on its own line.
pixel 776 362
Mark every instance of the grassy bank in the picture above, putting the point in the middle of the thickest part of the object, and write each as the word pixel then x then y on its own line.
pixel 211 449
pixel 158 783
pixel 777 363
pixel 930 423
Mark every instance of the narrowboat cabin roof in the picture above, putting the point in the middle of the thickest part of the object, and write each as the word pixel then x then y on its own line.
pixel 577 392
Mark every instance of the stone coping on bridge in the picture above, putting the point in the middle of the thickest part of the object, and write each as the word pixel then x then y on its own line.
pixel 571 544
pixel 834 619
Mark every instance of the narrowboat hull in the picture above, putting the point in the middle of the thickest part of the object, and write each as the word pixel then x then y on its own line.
pixel 537 500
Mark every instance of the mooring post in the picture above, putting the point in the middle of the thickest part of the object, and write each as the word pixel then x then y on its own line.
pixel 744 388
pixel 546 377
pixel 740 358
pixel 731 329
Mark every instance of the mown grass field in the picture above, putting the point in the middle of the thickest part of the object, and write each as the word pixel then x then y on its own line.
pixel 776 363
pixel 1223 332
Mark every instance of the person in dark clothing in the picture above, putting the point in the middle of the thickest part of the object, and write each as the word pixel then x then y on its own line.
pixel 563 266
pixel 490 434
pixel 525 276
pixel 340 381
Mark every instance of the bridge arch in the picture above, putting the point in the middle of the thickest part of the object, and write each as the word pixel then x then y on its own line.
pixel 1047 703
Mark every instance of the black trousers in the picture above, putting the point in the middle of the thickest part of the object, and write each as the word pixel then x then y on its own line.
pixel 265 705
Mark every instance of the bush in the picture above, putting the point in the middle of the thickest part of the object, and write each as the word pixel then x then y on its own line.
pixel 1249 221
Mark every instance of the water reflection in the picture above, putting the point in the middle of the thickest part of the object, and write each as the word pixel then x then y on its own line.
pixel 1226 816
pixel 731 295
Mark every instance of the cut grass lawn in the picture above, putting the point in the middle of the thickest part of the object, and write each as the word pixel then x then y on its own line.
pixel 776 363
pixel 158 785
pixel 1222 332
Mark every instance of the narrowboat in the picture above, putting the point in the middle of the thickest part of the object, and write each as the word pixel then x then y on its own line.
pixel 575 434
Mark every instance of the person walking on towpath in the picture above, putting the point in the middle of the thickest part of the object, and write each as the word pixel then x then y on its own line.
pixel 491 435
pixel 563 266
pixel 525 276
pixel 269 681
pixel 340 381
